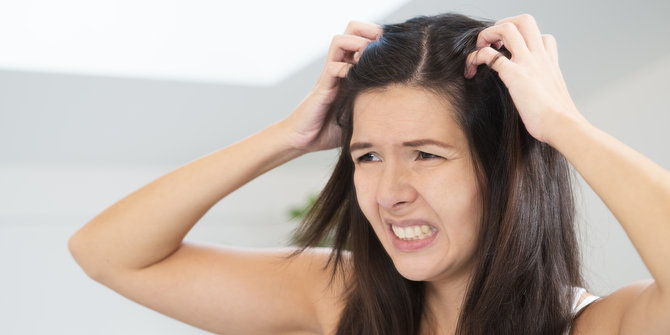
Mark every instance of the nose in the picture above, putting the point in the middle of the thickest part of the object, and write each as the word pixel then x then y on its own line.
pixel 395 190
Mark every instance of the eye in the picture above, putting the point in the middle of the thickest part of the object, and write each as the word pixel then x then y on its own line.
pixel 369 157
pixel 425 156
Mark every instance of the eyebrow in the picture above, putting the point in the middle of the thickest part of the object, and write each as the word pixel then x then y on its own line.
pixel 416 143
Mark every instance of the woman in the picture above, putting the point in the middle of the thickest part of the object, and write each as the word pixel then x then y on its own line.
pixel 451 192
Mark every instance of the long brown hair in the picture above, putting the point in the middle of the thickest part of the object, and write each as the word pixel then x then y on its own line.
pixel 527 256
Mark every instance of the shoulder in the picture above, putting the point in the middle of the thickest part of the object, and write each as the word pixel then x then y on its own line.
pixel 325 286
pixel 330 295
pixel 606 315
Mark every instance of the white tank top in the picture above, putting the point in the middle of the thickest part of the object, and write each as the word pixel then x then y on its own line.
pixel 576 306
pixel 577 293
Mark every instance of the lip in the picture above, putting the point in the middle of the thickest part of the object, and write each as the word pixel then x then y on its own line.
pixel 413 245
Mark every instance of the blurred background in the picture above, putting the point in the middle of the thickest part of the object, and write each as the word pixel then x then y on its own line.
pixel 98 98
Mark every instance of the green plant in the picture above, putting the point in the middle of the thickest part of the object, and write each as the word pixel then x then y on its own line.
pixel 298 213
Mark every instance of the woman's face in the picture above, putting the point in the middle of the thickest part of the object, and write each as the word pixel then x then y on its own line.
pixel 415 181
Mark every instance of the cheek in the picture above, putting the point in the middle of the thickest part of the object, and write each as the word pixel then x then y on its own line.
pixel 364 192
pixel 455 199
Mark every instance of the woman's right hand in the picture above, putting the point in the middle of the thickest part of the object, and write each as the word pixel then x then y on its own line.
pixel 306 122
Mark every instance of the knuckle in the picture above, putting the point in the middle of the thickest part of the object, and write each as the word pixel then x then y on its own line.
pixel 333 69
pixel 527 18
pixel 508 26
pixel 489 52
pixel 342 70
pixel 480 55
pixel 338 40
pixel 352 25
pixel 549 38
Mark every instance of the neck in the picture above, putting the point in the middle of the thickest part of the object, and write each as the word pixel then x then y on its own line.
pixel 444 300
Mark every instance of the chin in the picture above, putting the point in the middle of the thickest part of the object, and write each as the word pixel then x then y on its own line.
pixel 414 269
pixel 430 269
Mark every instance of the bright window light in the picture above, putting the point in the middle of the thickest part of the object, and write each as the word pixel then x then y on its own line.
pixel 249 42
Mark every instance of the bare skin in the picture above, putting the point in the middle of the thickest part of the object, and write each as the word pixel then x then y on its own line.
pixel 136 246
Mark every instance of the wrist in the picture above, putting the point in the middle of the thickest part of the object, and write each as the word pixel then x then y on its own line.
pixel 283 137
pixel 565 129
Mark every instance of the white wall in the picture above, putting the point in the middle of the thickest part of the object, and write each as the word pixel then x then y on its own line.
pixel 635 110
pixel 42 290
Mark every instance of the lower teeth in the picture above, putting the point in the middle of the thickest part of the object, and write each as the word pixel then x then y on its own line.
pixel 412 239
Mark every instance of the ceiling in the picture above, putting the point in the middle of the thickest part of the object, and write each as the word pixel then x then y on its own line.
pixel 188 40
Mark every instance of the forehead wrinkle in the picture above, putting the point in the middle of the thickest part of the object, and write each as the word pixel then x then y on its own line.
pixel 426 141
pixel 412 144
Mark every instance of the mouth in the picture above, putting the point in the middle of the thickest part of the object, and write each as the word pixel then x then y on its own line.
pixel 416 232
pixel 411 236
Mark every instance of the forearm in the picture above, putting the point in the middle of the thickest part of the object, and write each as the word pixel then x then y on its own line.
pixel 634 188
pixel 150 223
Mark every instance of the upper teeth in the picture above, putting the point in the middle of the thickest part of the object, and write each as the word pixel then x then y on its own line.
pixel 413 232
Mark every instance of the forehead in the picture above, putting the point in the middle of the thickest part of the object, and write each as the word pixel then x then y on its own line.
pixel 405 113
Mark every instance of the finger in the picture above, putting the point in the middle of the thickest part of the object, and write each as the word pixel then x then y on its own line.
pixel 550 45
pixel 343 47
pixel 332 71
pixel 508 34
pixel 528 29
pixel 489 56
pixel 368 30
pixel 357 56
pixel 339 70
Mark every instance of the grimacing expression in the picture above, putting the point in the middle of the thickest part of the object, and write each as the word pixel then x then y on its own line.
pixel 415 181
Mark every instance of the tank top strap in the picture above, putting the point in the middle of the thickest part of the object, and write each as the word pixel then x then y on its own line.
pixel 576 305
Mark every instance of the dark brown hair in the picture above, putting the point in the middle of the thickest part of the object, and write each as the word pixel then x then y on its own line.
pixel 526 258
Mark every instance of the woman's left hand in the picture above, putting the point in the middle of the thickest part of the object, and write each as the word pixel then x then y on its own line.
pixel 532 74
